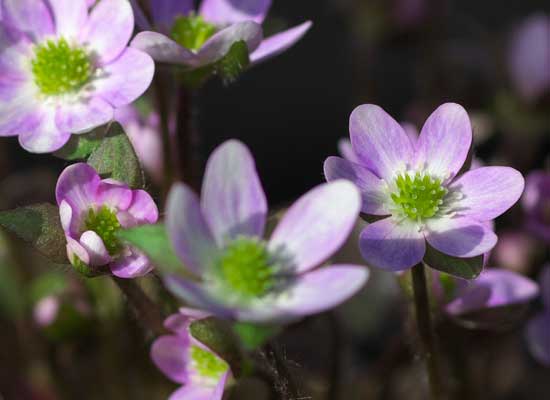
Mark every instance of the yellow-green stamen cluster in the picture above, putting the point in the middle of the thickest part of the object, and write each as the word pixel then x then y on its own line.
pixel 105 223
pixel 192 31
pixel 418 197
pixel 246 268
pixel 59 68
pixel 208 364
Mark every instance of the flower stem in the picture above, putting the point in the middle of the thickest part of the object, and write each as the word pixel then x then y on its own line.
pixel 425 330
pixel 275 370
pixel 188 139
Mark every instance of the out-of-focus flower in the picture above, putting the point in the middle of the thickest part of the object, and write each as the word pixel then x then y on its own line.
pixel 538 329
pixel 144 133
pixel 186 361
pixel 244 276
pixel 203 37
pixel 92 210
pixel 536 203
pixel 529 57
pixel 415 186
pixel 64 69
pixel 409 13
pixel 515 251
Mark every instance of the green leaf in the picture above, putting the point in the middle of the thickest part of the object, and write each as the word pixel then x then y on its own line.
pixel 115 158
pixel 234 62
pixel 465 268
pixel 40 226
pixel 79 147
pixel 253 336
pixel 153 240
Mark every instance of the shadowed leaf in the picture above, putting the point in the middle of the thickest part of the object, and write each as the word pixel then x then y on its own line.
pixel 465 268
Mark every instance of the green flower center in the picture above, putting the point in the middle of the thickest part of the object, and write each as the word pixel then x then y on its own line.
pixel 418 197
pixel 105 223
pixel 246 268
pixel 59 68
pixel 192 31
pixel 208 364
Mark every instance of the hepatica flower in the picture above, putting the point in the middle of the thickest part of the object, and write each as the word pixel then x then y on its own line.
pixel 240 274
pixel 538 329
pixel 536 203
pixel 92 210
pixel 196 38
pixel 64 69
pixel 416 191
pixel 187 361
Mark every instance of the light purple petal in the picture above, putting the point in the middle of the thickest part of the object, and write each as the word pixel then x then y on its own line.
pixel 544 280
pixel 69 16
pixel 65 215
pixel 77 185
pixel 169 353
pixel 194 392
pixel 83 116
pixel 109 29
pixel 322 289
pixel 346 151
pixel 96 248
pixel 538 337
pixel 493 288
pixel 487 192
pixel 75 249
pixel 233 201
pixel 317 224
pixel 180 322
pixel 164 49
pixel 143 207
pixel 188 229
pixel 460 236
pixel 279 43
pixel 125 79
pixel 379 141
pixel 45 137
pixel 444 141
pixel 370 186
pixel 537 186
pixel 224 12
pixel 220 43
pixel 392 245
pixel 412 131
pixel 131 266
pixel 164 11
pixel 115 196
pixel 29 16
pixel 529 57
pixel 19 112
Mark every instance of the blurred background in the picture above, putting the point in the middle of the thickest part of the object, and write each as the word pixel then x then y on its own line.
pixel 63 337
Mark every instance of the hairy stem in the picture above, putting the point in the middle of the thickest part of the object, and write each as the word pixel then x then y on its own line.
pixel 425 330
pixel 274 369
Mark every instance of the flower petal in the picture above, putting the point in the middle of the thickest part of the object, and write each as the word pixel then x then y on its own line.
pixel 45 137
pixel 224 12
pixel 487 192
pixel 278 43
pixel 544 280
pixel 500 288
pixel 131 266
pixel 69 16
pixel 75 249
pixel 392 245
pixel 538 338
pixel 169 353
pixel 109 29
pixel 29 16
pixel 96 248
pixel 379 141
pixel 194 392
pixel 164 11
pixel 20 112
pixel 80 117
pixel 444 141
pixel 77 185
pixel 370 186
pixel 164 49
pixel 317 224
pixel 125 79
pixel 220 43
pixel 143 207
pixel 537 186
pixel 233 200
pixel 460 236
pixel 346 151
pixel 188 229
pixel 114 195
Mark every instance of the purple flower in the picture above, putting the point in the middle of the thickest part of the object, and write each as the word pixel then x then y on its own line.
pixel 199 38
pixel 415 187
pixel 145 135
pixel 536 203
pixel 64 69
pixel 538 328
pixel 493 288
pixel 529 57
pixel 243 276
pixel 92 210
pixel 187 361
